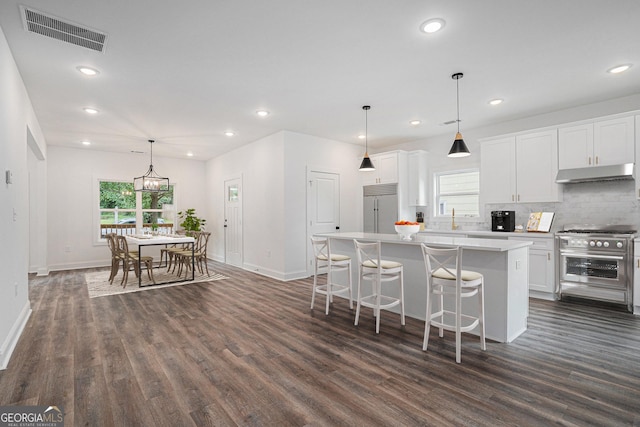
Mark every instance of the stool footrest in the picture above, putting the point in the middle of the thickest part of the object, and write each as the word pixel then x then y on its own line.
pixel 471 324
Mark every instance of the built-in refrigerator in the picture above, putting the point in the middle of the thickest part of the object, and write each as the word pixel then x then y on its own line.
pixel 380 208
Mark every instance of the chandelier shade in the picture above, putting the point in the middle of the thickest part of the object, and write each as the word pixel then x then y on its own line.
pixel 151 182
pixel 367 164
pixel 459 148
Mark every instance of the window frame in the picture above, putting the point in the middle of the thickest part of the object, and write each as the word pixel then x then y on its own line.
pixel 98 240
pixel 437 194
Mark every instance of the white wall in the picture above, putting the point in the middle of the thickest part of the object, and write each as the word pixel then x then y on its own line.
pixel 17 119
pixel 273 171
pixel 73 176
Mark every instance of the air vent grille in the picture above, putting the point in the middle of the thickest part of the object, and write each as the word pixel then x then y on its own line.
pixel 39 23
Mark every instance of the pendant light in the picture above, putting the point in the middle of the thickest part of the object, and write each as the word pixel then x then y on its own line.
pixel 367 164
pixel 151 182
pixel 459 148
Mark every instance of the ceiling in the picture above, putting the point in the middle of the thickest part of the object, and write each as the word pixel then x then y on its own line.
pixel 184 73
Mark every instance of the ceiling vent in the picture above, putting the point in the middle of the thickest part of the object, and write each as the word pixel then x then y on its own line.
pixel 46 25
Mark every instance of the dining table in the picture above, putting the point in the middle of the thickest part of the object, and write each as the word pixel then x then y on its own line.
pixel 148 240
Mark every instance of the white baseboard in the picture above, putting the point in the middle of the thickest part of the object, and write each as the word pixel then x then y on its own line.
pixel 79 265
pixel 10 342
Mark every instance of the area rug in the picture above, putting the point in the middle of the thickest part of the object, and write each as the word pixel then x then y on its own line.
pixel 99 286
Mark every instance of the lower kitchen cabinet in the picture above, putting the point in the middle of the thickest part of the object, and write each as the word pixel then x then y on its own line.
pixel 542 281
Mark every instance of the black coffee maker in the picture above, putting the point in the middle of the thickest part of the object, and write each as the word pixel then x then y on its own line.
pixel 503 220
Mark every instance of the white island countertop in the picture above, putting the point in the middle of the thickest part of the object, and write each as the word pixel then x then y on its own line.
pixel 498 245
pixel 503 263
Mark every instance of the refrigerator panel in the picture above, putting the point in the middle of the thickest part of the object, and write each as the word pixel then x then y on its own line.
pixel 387 214
pixel 369 214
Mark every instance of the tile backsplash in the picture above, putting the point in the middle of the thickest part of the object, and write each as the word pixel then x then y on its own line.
pixel 604 202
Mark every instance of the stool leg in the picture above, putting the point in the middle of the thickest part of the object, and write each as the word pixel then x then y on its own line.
pixel 358 296
pixel 441 331
pixel 427 322
pixel 377 309
pixel 458 323
pixel 315 283
pixel 402 298
pixel 349 281
pixel 483 344
pixel 329 286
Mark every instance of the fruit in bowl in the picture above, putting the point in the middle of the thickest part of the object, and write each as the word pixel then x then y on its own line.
pixel 407 228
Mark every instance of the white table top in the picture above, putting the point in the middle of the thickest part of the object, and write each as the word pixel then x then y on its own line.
pixel 498 245
pixel 145 239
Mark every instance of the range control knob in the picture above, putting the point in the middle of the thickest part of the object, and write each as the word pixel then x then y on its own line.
pixel 592 243
pixel 619 245
pixel 598 243
pixel 605 244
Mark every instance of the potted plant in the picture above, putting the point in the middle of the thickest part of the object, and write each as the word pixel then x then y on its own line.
pixel 191 222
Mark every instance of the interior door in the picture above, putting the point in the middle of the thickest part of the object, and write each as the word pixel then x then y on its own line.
pixel 323 207
pixel 233 222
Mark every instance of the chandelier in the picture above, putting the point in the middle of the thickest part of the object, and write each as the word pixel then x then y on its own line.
pixel 151 182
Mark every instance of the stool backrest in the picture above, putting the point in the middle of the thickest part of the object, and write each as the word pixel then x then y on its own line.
pixel 446 259
pixel 321 249
pixel 122 245
pixel 368 252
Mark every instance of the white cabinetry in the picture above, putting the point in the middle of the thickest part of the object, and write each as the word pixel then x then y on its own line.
pixel 600 143
pixel 520 168
pixel 386 171
pixel 418 178
pixel 541 267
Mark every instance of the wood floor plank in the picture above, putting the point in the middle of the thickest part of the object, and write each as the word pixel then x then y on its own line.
pixel 249 351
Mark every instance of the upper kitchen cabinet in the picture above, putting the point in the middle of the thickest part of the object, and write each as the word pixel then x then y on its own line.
pixel 386 171
pixel 600 143
pixel 637 158
pixel 520 168
pixel 418 178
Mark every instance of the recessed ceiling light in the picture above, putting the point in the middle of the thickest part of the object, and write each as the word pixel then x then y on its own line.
pixel 90 110
pixel 262 113
pixel 415 122
pixel 88 71
pixel 432 25
pixel 229 133
pixel 619 69
pixel 496 101
pixel 361 137
pixel 86 142
pixel 189 153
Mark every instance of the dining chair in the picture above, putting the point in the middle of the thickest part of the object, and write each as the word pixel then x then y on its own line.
pixel 372 267
pixel 183 258
pixel 446 278
pixel 116 258
pixel 333 263
pixel 133 259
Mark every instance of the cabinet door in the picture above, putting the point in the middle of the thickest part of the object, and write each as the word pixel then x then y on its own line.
pixel 388 168
pixel 575 146
pixel 614 141
pixel 498 170
pixel 541 271
pixel 637 164
pixel 636 283
pixel 418 178
pixel 537 167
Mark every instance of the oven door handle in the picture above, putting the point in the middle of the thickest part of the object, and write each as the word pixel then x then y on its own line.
pixel 584 255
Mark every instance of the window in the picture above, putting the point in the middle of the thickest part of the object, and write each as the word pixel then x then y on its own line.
pixel 459 190
pixel 120 206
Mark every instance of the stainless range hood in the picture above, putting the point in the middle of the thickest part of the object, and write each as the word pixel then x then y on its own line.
pixel 596 173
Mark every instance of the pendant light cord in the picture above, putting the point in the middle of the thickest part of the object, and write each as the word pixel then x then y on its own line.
pixel 458 101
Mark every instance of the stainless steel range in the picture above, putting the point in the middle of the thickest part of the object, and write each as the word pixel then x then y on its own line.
pixel 596 262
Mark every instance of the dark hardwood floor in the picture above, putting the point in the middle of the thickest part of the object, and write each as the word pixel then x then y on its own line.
pixel 249 351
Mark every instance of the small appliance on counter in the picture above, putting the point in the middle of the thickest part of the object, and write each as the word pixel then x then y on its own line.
pixel 420 220
pixel 503 220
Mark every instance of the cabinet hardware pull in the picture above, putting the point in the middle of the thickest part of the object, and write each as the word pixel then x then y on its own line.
pixel 638 262
pixel 513 197
pixel 597 161
pixel 548 256
pixel 518 197
pixel 589 160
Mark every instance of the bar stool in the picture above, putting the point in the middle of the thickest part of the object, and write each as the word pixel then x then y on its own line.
pixel 372 267
pixel 446 277
pixel 333 263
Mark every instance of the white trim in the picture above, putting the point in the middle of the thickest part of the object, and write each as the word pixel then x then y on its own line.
pixel 11 341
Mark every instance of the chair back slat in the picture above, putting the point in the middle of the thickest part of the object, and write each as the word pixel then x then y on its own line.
pixel 368 252
pixel 320 247
pixel 447 259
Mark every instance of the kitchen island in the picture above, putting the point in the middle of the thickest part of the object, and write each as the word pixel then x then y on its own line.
pixel 504 264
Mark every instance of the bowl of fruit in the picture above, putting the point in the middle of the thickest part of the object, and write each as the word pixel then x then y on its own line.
pixel 407 228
